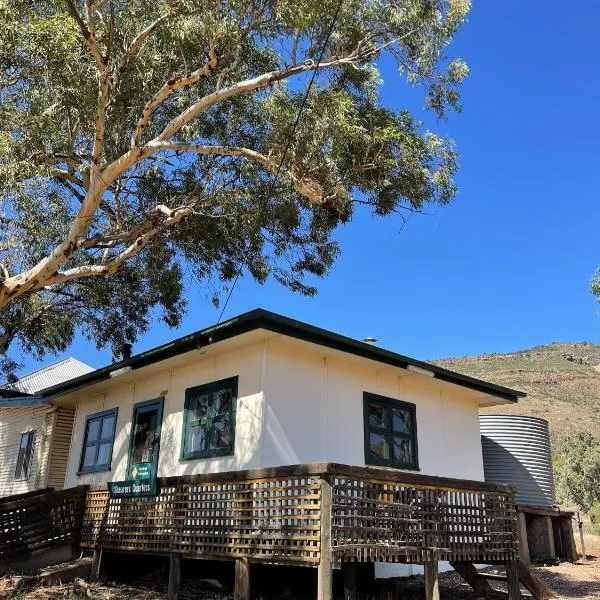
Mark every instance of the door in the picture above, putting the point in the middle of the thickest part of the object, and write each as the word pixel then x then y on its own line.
pixel 145 441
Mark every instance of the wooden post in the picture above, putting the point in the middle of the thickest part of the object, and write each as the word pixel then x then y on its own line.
pixel 534 584
pixel 522 535
pixel 96 563
pixel 241 590
pixel 324 583
pixel 512 580
pixel 432 581
pixel 566 527
pixel 469 573
pixel 174 576
pixel 581 539
pixel 349 573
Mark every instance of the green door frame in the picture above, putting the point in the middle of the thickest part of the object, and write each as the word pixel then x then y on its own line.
pixel 138 409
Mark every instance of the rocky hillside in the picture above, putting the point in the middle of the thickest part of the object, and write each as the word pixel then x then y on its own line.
pixel 562 382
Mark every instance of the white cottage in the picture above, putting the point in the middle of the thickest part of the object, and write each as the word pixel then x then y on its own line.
pixel 262 390
pixel 272 440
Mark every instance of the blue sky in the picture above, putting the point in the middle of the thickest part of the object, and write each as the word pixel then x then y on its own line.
pixel 507 265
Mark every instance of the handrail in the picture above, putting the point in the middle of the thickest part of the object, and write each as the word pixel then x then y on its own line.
pixel 417 479
pixel 30 500
pixel 334 469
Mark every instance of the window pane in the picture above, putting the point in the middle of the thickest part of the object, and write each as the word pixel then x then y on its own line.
pixel 93 430
pixel 108 427
pixel 403 451
pixel 196 439
pixel 89 456
pixel 20 459
pixel 103 453
pixel 379 446
pixel 144 436
pixel 198 407
pixel 401 420
pixel 222 401
pixel 28 451
pixel 220 437
pixel 24 440
pixel 377 415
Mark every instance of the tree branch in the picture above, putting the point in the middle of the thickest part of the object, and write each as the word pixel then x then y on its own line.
pixel 91 40
pixel 117 263
pixel 248 85
pixel 309 188
pixel 134 48
pixel 166 90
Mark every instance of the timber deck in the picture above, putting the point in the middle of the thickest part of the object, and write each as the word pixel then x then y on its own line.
pixel 317 515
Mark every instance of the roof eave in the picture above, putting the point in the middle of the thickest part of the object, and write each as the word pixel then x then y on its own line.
pixel 263 319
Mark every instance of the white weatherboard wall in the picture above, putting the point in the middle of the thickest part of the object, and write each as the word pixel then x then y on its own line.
pixel 13 423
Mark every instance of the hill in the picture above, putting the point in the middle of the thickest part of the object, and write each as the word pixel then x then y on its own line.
pixel 562 382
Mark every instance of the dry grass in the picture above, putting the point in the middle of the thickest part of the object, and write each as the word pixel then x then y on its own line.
pixel 569 581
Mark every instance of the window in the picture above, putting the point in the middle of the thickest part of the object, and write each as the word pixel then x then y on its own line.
pixel 390 432
pixel 24 455
pixel 209 420
pixel 98 441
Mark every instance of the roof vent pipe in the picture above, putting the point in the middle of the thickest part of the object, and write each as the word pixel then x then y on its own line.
pixel 370 340
pixel 126 351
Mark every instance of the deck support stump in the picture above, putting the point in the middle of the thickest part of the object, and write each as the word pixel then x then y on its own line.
pixel 522 534
pixel 174 576
pixel 325 574
pixel 432 580
pixel 241 590
pixel 512 580
pixel 566 526
pixel 349 574
pixel 96 563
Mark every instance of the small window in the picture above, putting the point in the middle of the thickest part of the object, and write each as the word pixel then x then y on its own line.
pixel 24 455
pixel 98 441
pixel 390 432
pixel 209 420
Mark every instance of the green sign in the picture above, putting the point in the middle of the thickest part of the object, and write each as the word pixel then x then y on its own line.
pixel 141 471
pixel 132 489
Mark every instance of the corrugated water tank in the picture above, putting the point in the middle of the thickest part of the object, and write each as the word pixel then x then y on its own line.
pixel 516 450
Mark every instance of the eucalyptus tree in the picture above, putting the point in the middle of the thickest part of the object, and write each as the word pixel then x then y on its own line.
pixel 146 142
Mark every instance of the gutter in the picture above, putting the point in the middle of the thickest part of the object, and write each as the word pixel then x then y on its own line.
pixel 23 402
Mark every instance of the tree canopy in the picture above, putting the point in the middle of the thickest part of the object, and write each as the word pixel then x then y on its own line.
pixel 577 470
pixel 143 143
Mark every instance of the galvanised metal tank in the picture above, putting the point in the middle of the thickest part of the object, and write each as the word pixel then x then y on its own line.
pixel 516 450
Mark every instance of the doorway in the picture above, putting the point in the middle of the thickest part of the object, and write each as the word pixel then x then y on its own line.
pixel 145 440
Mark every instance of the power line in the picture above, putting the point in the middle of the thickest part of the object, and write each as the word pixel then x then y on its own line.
pixel 291 137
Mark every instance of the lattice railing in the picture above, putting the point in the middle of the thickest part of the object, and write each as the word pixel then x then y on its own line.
pixel 37 521
pixel 280 515
pixel 397 517
pixel 268 518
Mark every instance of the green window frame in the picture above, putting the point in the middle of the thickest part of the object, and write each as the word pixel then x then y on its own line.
pixel 24 455
pixel 209 420
pixel 98 441
pixel 390 428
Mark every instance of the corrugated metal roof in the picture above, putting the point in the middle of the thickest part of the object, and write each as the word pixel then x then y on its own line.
pixel 54 374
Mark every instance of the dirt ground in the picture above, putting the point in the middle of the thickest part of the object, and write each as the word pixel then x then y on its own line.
pixel 579 581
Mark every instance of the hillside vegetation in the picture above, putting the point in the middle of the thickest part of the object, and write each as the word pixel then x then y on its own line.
pixel 562 382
